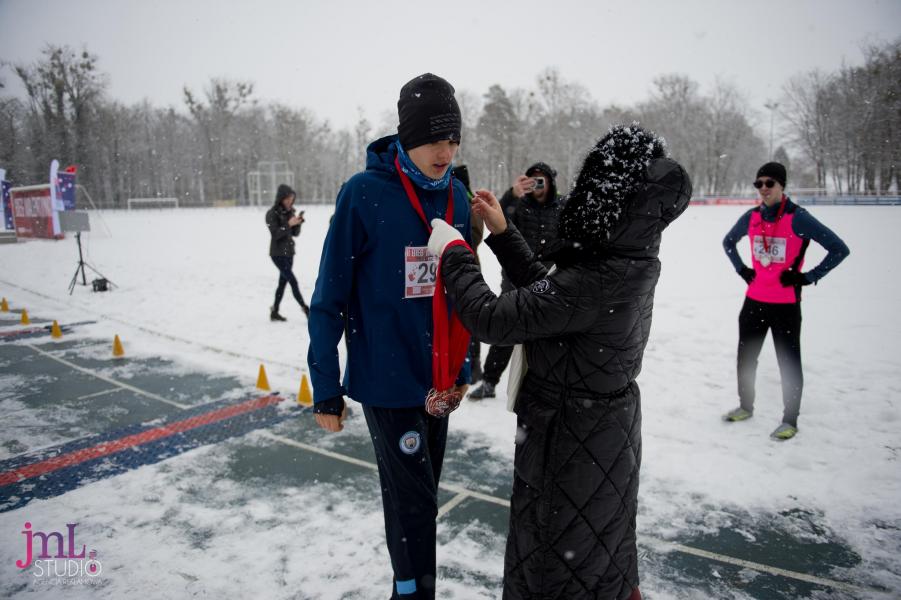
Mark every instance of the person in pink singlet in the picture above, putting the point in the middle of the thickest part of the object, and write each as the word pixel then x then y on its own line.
pixel 779 232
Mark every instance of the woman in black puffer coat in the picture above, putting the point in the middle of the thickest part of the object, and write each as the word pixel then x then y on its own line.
pixel 584 327
pixel 284 226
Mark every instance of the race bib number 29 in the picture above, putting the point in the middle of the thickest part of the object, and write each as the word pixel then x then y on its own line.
pixel 420 272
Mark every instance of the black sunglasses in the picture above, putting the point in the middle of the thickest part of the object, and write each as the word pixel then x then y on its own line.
pixel 769 183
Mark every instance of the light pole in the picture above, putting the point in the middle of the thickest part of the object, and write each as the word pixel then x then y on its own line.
pixel 772 106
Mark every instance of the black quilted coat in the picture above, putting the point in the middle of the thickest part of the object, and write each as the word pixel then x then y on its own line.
pixel 578 448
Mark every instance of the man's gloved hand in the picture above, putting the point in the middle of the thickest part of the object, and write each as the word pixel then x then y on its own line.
pixel 748 274
pixel 330 413
pixel 793 278
pixel 442 235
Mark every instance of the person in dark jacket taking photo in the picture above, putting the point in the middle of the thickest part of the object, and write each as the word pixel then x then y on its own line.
pixel 584 327
pixel 533 205
pixel 284 226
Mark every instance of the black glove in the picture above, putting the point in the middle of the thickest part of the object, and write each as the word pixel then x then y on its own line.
pixel 793 278
pixel 748 274
pixel 332 406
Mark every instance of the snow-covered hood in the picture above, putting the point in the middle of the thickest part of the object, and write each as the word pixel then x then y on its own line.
pixel 626 193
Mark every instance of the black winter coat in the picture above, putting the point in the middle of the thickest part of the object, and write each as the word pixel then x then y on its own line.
pixel 282 243
pixel 578 451
pixel 536 221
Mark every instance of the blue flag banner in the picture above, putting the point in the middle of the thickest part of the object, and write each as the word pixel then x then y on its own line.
pixel 67 189
pixel 7 206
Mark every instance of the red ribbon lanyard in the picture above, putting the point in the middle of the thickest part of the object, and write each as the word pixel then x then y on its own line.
pixel 414 199
pixel 766 246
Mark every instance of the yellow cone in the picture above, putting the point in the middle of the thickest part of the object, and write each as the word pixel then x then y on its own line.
pixel 262 380
pixel 118 350
pixel 55 331
pixel 4 307
pixel 305 396
pixel 25 320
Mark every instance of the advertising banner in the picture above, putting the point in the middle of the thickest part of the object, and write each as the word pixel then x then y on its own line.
pixel 33 214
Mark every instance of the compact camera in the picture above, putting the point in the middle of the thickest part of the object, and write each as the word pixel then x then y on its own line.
pixel 539 183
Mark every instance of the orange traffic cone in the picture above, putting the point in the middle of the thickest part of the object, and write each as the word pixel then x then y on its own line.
pixel 118 350
pixel 262 380
pixel 305 396
pixel 55 331
pixel 4 306
pixel 25 320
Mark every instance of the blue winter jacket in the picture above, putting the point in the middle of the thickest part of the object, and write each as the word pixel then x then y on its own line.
pixel 360 289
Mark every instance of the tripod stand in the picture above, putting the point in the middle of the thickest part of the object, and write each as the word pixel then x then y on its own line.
pixel 80 268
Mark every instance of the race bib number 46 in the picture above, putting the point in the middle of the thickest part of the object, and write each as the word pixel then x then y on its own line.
pixel 774 252
pixel 420 271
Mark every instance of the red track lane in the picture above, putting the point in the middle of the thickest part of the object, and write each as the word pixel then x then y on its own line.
pixel 150 435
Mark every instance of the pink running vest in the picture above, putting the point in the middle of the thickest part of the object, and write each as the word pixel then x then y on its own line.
pixel 782 247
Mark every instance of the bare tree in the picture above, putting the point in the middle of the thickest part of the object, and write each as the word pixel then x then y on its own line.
pixel 224 100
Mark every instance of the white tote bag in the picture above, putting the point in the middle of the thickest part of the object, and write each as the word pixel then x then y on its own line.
pixel 518 368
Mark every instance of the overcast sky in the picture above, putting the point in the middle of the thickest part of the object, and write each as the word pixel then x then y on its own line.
pixel 333 57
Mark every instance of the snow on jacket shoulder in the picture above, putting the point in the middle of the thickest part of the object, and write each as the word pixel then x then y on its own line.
pixel 360 289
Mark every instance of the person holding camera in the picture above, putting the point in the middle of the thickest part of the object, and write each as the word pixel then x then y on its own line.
pixel 779 231
pixel 378 287
pixel 533 206
pixel 284 226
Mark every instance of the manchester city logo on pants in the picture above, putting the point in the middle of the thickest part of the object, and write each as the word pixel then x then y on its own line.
pixel 410 442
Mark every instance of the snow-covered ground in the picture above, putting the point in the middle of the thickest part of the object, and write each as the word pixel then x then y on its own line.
pixel 195 286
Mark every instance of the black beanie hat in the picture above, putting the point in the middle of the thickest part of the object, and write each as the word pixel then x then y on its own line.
pixel 427 112
pixel 774 170
pixel 283 192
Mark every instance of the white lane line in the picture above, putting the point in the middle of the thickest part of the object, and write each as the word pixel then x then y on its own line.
pixel 839 585
pixel 477 495
pixel 450 504
pixel 462 494
pixel 342 457
pixel 450 487
pixel 100 393
pixel 109 380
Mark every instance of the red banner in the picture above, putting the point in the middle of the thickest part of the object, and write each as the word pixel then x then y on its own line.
pixel 33 211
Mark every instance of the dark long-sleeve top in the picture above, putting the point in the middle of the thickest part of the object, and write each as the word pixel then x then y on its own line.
pixel 804 225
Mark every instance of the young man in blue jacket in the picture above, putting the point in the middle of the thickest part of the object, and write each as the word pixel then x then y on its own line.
pixel 375 286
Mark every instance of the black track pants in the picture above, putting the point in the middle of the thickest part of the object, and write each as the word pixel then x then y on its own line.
pixel 755 319
pixel 286 276
pixel 409 446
